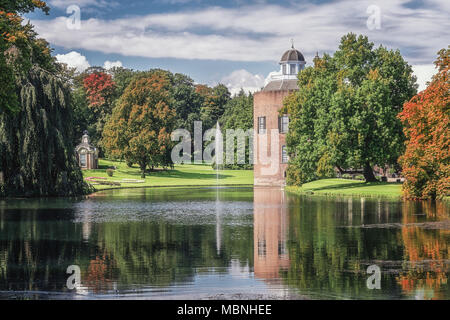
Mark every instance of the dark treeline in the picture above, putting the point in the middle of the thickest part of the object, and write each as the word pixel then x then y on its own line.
pixel 105 104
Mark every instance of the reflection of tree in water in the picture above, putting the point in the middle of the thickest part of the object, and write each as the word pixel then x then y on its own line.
pixel 99 275
pixel 329 255
pixel 159 254
pixel 29 257
pixel 426 251
pixel 38 244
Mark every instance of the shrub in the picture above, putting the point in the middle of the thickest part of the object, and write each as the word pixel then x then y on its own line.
pixel 110 172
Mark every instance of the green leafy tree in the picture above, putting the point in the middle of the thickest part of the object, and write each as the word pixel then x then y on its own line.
pixel 36 150
pixel 239 116
pixel 187 102
pixel 23 6
pixel 213 104
pixel 122 77
pixel 344 115
pixel 19 49
pixel 140 126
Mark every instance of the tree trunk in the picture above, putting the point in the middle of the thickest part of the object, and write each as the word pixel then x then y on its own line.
pixel 368 173
pixel 143 166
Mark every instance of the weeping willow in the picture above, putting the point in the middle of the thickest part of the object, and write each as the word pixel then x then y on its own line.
pixel 36 153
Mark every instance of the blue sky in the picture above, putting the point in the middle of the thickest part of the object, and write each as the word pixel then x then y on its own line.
pixel 237 42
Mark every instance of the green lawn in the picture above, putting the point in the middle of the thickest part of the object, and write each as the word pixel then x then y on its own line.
pixel 344 187
pixel 183 175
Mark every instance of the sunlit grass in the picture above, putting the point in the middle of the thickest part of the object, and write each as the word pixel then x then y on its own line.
pixel 183 175
pixel 349 188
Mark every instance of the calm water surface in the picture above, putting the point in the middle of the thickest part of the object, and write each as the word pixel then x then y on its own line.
pixel 229 243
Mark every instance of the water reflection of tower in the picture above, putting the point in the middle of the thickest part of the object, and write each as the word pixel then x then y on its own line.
pixel 270 232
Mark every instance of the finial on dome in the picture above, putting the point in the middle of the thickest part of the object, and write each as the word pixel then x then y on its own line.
pixel 292 42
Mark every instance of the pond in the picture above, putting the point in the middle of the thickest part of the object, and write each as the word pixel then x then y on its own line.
pixel 223 243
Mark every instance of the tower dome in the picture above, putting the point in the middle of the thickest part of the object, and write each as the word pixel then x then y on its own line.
pixel 292 55
pixel 292 62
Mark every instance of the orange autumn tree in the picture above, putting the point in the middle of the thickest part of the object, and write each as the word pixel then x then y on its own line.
pixel 426 161
pixel 141 123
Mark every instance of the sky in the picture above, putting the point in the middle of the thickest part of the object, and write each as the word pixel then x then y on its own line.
pixel 237 43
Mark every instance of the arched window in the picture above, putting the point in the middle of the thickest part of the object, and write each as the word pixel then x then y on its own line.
pixel 83 160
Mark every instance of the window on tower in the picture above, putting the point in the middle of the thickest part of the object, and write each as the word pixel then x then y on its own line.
pixel 283 124
pixel 292 69
pixel 261 125
pixel 284 69
pixel 284 155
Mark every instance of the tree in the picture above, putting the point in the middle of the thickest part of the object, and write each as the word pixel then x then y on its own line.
pixel 19 49
pixel 426 119
pixel 100 89
pixel 239 115
pixel 23 6
pixel 141 123
pixel 213 105
pixel 344 114
pixel 187 102
pixel 122 78
pixel 100 93
pixel 36 153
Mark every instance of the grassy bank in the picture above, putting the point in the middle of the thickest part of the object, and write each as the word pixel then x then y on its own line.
pixel 342 187
pixel 183 175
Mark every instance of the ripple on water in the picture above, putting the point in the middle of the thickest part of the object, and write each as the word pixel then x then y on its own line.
pixel 182 212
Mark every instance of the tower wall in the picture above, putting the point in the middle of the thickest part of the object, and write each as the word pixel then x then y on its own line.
pixel 267 104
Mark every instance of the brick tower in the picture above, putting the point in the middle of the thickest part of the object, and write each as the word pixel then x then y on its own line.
pixel 270 153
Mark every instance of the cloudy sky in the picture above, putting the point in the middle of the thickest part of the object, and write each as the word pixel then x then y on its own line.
pixel 237 42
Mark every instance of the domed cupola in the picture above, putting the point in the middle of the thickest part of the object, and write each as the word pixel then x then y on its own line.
pixel 292 55
pixel 292 62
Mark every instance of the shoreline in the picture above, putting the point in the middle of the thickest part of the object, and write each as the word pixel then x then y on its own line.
pixel 348 188
pixel 174 186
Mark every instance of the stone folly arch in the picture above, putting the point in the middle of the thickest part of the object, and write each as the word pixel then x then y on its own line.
pixel 87 154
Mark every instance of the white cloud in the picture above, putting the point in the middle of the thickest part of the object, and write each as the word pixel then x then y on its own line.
pixel 424 73
pixel 74 60
pixel 242 79
pixel 109 65
pixel 258 32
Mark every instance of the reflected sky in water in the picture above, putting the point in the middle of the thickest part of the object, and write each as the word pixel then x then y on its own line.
pixel 227 243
